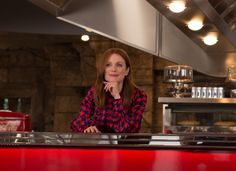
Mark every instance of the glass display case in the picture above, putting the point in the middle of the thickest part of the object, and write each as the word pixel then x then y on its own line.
pixel 198 115
pixel 180 79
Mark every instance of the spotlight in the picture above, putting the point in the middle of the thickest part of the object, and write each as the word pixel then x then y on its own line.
pixel 210 39
pixel 195 24
pixel 177 6
pixel 85 37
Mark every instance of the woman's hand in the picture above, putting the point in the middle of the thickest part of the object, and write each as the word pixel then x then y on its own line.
pixel 92 129
pixel 113 88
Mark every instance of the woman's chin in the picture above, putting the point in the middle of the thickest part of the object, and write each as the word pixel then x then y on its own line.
pixel 112 80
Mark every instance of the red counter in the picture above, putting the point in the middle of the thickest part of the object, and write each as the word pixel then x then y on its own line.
pixel 137 157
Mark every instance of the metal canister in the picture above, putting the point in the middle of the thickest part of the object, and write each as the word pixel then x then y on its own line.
pixel 209 92
pixel 198 92
pixel 220 92
pixel 193 92
pixel 214 92
pixel 204 92
pixel 233 93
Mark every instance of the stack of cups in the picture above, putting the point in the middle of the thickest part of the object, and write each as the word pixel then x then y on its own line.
pixel 207 92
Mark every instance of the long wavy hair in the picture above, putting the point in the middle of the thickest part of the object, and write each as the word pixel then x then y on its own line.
pixel 128 84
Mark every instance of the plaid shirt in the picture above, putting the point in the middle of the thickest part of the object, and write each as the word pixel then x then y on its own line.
pixel 113 118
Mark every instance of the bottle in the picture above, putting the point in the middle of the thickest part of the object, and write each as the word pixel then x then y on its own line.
pixel 18 109
pixel 5 104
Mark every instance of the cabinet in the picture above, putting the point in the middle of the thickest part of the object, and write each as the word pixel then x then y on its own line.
pixel 198 115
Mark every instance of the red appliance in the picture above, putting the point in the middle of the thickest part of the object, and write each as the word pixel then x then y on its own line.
pixel 13 121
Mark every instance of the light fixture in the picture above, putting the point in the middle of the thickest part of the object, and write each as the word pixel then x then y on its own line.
pixel 195 24
pixel 210 39
pixel 177 6
pixel 85 37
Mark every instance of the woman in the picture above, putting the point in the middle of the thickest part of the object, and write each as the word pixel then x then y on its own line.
pixel 114 104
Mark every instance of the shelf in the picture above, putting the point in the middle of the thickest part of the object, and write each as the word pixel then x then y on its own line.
pixel 187 100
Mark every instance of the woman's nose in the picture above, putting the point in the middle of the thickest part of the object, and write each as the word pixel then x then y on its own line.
pixel 113 68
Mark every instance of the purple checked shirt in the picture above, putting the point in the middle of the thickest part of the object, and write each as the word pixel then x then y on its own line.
pixel 113 118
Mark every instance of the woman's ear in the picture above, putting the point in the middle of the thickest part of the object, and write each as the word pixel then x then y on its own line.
pixel 127 72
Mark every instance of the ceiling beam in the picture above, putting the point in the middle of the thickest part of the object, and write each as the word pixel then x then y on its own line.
pixel 216 19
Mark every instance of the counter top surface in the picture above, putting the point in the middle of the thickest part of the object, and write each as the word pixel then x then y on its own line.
pixel 184 100
pixel 190 140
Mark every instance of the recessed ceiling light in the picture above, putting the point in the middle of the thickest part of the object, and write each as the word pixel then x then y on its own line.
pixel 210 39
pixel 177 6
pixel 195 24
pixel 85 37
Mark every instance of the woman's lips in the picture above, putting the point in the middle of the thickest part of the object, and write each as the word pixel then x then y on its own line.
pixel 113 75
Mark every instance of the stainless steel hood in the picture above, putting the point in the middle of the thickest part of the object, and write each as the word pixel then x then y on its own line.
pixel 21 16
pixel 149 26
pixel 219 16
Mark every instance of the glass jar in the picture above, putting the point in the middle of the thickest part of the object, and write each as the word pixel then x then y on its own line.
pixel 231 74
pixel 178 73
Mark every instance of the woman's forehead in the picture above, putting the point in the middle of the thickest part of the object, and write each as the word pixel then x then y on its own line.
pixel 115 58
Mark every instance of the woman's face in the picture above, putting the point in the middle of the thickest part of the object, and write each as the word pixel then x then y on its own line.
pixel 115 69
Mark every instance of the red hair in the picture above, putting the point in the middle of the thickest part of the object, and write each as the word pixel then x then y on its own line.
pixel 128 84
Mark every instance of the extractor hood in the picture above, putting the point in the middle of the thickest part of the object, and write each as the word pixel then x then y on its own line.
pixel 149 25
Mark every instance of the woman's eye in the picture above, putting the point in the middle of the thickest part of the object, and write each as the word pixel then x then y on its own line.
pixel 119 65
pixel 107 65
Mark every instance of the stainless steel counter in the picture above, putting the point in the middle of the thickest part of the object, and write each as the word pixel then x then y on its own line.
pixel 169 100
pixel 201 140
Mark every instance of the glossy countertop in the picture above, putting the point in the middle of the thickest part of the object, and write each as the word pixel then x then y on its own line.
pixel 49 151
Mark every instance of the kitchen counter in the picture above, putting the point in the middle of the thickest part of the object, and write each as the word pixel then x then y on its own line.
pixel 105 152
pixel 189 100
